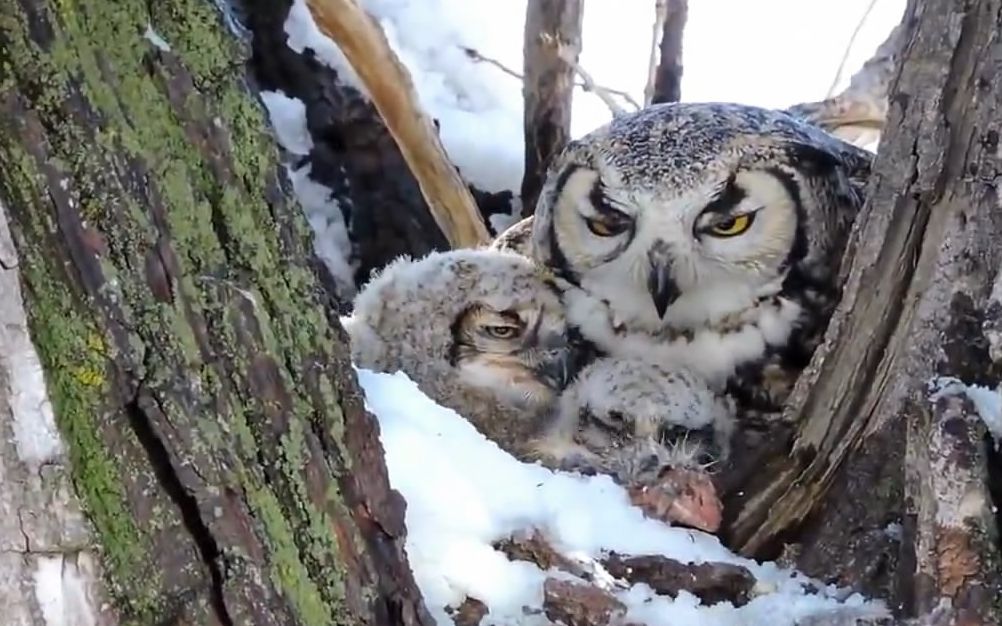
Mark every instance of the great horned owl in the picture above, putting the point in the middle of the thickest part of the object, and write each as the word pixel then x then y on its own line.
pixel 632 418
pixel 480 331
pixel 702 235
pixel 649 428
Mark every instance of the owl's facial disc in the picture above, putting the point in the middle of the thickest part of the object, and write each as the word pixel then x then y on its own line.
pixel 521 354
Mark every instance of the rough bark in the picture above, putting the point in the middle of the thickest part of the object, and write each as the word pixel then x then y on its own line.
pixel 48 572
pixel 871 449
pixel 217 438
pixel 668 76
pixel 548 87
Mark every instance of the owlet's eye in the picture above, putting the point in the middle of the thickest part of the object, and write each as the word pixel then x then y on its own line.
pixel 607 227
pixel 501 332
pixel 732 226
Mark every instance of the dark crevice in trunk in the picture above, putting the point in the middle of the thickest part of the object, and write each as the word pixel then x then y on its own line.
pixel 185 502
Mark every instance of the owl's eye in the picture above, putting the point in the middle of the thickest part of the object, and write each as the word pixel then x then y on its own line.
pixel 731 226
pixel 607 227
pixel 501 332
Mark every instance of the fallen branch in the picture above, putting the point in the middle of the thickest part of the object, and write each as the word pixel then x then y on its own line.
pixel 579 604
pixel 388 82
pixel 548 87
pixel 710 582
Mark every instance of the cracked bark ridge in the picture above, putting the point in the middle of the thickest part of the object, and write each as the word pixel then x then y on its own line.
pixel 924 256
pixel 547 87
pixel 353 152
pixel 668 76
pixel 217 435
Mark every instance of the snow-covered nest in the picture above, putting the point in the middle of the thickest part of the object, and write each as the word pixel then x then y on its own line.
pixel 464 494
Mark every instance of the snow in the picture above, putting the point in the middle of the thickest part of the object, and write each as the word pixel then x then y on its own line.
pixel 288 118
pixel 323 212
pixel 62 590
pixel 303 33
pixel 34 425
pixel 987 402
pixel 463 493
pixel 154 38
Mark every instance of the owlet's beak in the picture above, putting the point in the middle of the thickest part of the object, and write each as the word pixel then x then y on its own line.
pixel 660 283
pixel 559 360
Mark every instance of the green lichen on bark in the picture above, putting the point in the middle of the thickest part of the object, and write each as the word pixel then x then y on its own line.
pixel 168 146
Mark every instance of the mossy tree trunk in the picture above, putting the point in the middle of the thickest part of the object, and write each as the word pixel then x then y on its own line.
pixel 889 485
pixel 218 441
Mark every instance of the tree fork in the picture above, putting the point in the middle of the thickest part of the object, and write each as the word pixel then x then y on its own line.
pixel 200 379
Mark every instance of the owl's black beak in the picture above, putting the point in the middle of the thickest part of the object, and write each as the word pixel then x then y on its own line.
pixel 660 283
pixel 561 359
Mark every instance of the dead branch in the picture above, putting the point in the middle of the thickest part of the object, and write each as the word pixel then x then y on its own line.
pixel 861 108
pixel 848 48
pixel 580 604
pixel 548 87
pixel 477 56
pixel 388 82
pixel 710 582
pixel 666 80
pixel 588 83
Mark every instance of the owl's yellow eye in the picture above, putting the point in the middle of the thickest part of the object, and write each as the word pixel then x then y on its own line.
pixel 604 228
pixel 732 226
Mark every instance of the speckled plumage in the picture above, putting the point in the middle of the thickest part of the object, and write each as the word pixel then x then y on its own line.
pixel 740 310
pixel 480 331
pixel 633 419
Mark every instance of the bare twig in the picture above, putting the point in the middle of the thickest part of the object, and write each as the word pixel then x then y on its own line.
pixel 848 48
pixel 480 58
pixel 588 83
pixel 388 82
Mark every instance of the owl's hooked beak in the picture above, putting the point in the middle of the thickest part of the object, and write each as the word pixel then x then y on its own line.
pixel 559 362
pixel 660 283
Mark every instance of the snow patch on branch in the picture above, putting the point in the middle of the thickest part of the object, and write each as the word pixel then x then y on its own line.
pixel 987 402
pixel 464 493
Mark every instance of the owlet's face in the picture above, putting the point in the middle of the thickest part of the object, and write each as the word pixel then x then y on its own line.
pixel 522 353
pixel 676 257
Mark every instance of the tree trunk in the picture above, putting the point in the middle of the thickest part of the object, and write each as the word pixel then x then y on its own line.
pixel 198 374
pixel 668 76
pixel 551 27
pixel 887 485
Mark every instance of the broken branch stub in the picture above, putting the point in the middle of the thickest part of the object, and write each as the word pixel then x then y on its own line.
pixel 392 91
